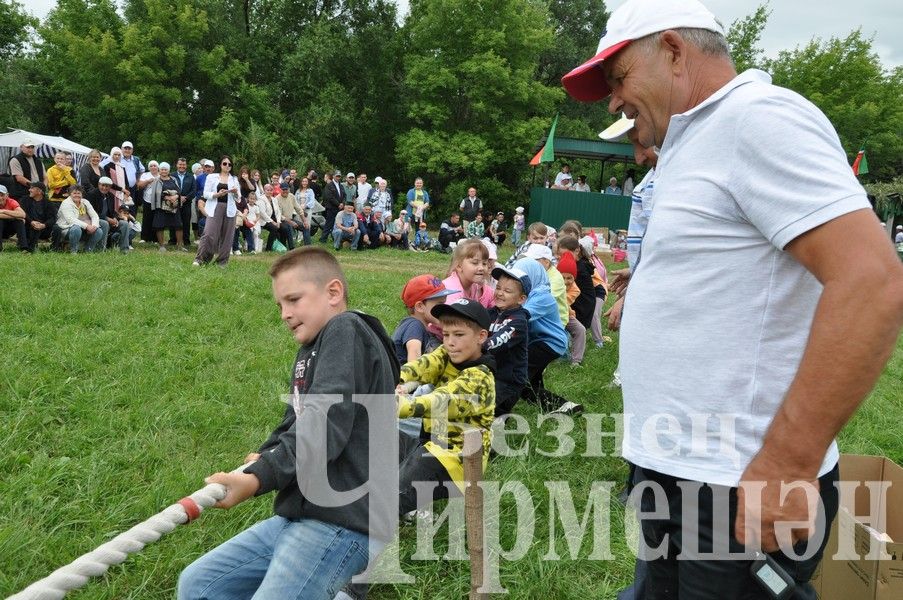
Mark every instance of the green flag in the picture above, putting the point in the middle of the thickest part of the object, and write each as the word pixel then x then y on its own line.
pixel 547 152
pixel 861 164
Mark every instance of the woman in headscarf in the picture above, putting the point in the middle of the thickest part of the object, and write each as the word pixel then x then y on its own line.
pixel 115 171
pixel 164 202
pixel 146 188
pixel 221 192
pixel 548 339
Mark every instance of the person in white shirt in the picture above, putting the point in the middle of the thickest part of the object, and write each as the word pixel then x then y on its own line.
pixel 563 183
pixel 581 185
pixel 899 237
pixel 564 172
pixel 221 194
pixel 729 340
pixel 77 221
pixel 363 192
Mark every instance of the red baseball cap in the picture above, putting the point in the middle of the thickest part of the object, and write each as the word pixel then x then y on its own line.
pixel 633 20
pixel 424 287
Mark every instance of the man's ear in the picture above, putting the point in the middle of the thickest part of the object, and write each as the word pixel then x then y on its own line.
pixel 673 43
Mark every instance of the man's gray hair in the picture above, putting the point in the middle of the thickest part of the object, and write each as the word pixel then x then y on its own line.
pixel 709 42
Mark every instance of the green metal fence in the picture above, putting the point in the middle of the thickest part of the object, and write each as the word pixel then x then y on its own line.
pixel 554 207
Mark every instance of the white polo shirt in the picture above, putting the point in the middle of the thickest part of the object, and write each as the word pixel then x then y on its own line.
pixel 717 316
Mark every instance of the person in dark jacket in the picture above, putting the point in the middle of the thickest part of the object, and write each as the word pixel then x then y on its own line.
pixel 104 202
pixel 333 200
pixel 187 192
pixel 509 336
pixel 38 219
pixel 585 304
pixel 317 459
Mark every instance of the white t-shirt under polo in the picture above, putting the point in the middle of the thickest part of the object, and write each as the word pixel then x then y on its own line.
pixel 717 316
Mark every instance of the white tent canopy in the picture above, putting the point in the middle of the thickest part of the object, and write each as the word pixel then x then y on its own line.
pixel 45 147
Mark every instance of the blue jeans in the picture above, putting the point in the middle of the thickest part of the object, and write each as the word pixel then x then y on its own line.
pixel 76 234
pixel 123 235
pixel 249 238
pixel 278 559
pixel 304 231
pixel 339 236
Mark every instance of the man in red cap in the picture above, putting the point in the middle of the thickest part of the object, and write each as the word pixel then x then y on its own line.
pixel 737 305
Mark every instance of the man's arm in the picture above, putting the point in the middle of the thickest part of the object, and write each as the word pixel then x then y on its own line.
pixel 10 214
pixel 861 304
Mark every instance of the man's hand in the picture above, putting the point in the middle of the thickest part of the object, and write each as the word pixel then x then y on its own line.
pixel 91 228
pixel 614 314
pixel 766 507
pixel 239 487
pixel 37 226
pixel 619 281
pixel 113 222
pixel 251 457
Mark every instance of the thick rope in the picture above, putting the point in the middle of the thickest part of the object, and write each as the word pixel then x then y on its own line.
pixel 95 563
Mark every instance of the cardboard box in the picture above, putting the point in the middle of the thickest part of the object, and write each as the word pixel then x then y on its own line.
pixel 868 566
pixel 605 256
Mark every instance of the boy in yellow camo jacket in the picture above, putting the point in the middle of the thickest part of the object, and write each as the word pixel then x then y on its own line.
pixel 463 397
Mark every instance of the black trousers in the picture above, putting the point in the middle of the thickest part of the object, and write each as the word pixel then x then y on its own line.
pixel 539 355
pixel 707 579
pixel 185 214
pixel 8 227
pixel 147 223
pixel 35 235
pixel 329 224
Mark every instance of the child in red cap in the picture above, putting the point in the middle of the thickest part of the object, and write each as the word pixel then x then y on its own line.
pixel 567 266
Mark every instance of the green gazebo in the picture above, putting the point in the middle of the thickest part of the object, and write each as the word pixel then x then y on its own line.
pixel 592 209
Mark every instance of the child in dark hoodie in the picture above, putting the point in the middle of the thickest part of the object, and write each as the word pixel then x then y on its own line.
pixel 509 336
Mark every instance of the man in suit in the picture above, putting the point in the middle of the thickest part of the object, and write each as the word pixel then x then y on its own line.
pixel 333 200
pixel 187 192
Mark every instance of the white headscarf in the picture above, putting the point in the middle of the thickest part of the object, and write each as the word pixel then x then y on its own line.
pixel 117 174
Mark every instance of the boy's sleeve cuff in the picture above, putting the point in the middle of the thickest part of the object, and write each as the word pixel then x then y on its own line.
pixel 264 473
pixel 405 409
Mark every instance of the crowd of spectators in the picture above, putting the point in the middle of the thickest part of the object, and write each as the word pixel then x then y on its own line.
pixel 118 200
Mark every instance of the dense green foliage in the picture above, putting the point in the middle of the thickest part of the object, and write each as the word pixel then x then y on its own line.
pixel 458 91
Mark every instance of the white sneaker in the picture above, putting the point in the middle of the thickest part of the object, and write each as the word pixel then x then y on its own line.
pixel 568 408
pixel 195 264
pixel 131 247
pixel 416 515
pixel 237 253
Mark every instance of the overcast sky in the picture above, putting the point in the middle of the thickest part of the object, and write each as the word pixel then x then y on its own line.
pixel 792 23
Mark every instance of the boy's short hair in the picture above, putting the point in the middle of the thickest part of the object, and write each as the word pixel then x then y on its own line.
pixel 455 320
pixel 318 266
pixel 538 228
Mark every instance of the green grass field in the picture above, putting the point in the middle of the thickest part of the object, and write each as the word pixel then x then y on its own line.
pixel 127 379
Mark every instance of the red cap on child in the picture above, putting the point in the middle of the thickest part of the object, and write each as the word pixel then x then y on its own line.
pixel 567 264
pixel 424 287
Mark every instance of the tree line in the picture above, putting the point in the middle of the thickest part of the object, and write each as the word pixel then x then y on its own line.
pixel 458 91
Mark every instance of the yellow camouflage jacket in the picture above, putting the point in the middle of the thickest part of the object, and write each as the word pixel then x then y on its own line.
pixel 463 398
